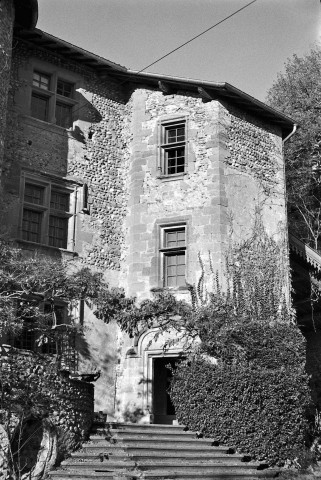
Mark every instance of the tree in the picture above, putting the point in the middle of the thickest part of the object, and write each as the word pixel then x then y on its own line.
pixel 243 380
pixel 297 93
pixel 30 281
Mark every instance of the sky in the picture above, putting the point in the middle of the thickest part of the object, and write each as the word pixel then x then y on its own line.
pixel 247 50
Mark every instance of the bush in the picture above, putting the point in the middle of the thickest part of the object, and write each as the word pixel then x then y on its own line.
pixel 259 403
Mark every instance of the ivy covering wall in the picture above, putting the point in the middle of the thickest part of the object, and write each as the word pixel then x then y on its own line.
pixel 246 385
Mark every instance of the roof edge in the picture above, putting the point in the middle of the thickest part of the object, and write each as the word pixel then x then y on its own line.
pixel 217 85
pixel 216 90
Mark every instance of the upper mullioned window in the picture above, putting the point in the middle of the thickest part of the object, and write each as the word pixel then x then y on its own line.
pixel 52 99
pixel 47 215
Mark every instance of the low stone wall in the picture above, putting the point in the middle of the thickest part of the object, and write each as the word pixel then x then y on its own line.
pixel 36 395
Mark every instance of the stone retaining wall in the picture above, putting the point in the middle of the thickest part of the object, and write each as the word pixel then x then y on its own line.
pixel 33 390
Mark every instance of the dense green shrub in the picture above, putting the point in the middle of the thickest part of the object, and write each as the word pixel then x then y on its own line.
pixel 269 345
pixel 261 411
pixel 246 386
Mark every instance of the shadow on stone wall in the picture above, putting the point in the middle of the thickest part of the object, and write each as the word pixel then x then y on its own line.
pixel 42 410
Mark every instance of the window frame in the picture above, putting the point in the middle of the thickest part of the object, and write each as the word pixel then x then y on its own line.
pixel 53 98
pixel 164 147
pixel 29 337
pixel 166 251
pixel 49 186
pixel 41 75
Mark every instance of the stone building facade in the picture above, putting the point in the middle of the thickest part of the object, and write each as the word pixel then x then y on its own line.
pixel 137 175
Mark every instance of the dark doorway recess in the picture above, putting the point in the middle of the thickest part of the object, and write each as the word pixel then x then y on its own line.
pixel 163 408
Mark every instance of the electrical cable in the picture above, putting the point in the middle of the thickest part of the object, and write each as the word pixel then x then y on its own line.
pixel 167 54
pixel 197 36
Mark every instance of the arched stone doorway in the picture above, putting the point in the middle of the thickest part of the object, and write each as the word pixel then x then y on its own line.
pixel 145 379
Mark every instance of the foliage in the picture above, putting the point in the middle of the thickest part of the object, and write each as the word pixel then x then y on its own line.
pixel 35 396
pixel 247 385
pixel 254 292
pixel 297 93
pixel 262 411
pixel 28 282
pixel 163 310
pixel 31 287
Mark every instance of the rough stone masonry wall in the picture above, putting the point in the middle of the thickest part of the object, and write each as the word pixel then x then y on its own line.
pixel 66 405
pixel 6 26
pixel 194 198
pixel 104 168
pixel 234 164
pixel 255 172
pixel 95 152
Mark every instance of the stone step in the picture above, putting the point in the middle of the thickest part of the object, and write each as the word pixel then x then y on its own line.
pixel 164 474
pixel 157 429
pixel 135 448
pixel 181 461
pixel 143 431
pixel 145 426
pixel 191 466
pixel 153 439
pixel 106 465
pixel 253 475
pixel 64 475
pixel 161 475
pixel 148 454
pixel 165 464
pixel 156 452
pixel 140 433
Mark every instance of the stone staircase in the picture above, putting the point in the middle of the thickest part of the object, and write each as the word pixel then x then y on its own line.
pixel 156 452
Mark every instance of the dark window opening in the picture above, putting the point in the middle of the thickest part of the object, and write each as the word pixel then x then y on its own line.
pixel 174 148
pixel 31 225
pixel 39 107
pixel 175 160
pixel 175 269
pixel 58 231
pixel 45 216
pixel 59 201
pixel 175 238
pixel 63 115
pixel 41 80
pixel 64 88
pixel 174 266
pixel 174 135
pixel 26 340
pixel 34 194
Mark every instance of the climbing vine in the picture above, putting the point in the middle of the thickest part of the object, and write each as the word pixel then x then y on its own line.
pixel 246 383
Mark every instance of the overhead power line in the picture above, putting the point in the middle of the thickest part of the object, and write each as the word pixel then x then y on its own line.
pixel 197 36
pixel 166 55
